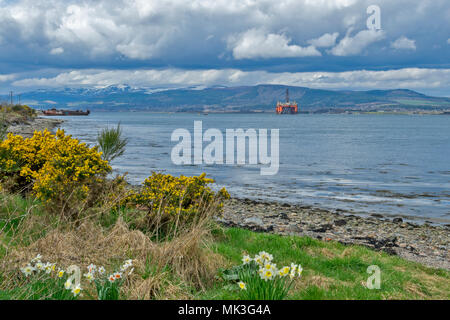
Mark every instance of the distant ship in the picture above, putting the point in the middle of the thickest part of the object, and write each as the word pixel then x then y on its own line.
pixel 56 112
pixel 287 107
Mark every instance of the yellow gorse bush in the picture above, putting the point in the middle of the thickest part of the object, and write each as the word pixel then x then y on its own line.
pixel 50 165
pixel 177 196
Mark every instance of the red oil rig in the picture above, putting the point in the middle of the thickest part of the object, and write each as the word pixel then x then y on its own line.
pixel 287 107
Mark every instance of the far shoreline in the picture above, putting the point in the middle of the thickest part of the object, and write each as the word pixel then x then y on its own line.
pixel 270 112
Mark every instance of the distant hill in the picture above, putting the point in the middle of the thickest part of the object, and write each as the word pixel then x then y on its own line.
pixel 260 98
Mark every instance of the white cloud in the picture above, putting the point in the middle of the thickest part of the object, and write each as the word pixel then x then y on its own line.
pixel 448 40
pixel 413 78
pixel 255 43
pixel 117 31
pixel 57 51
pixel 325 41
pixel 349 46
pixel 404 43
pixel 7 77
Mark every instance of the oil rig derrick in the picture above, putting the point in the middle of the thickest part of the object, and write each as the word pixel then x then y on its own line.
pixel 287 107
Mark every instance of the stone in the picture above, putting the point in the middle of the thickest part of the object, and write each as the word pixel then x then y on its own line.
pixel 340 222
pixel 254 220
pixel 397 220
pixel 323 228
pixel 294 228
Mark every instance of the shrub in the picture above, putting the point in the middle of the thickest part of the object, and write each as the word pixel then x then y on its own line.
pixel 111 143
pixel 168 199
pixel 58 169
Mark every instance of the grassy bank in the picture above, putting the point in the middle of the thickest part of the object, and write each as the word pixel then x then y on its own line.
pixel 189 265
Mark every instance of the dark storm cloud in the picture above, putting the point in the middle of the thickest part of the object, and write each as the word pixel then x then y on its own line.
pixel 248 36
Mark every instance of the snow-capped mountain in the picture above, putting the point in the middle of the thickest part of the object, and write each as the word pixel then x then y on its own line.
pixel 246 98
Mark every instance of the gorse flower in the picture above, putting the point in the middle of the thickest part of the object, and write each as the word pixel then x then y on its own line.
pixel 51 165
pixel 177 197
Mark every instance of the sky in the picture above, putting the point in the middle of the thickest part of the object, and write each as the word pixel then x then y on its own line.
pixel 325 44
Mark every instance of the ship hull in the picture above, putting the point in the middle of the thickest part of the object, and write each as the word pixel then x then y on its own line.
pixel 54 112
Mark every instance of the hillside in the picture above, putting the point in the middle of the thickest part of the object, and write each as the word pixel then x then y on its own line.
pixel 237 99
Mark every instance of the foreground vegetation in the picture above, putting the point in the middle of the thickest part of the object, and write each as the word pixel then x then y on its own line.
pixel 61 209
pixel 193 264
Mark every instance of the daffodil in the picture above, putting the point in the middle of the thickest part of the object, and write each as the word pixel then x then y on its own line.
pixel 101 270
pixel 299 270
pixel 269 266
pixel 128 263
pixel 293 270
pixel 89 276
pixel 76 290
pixel 111 278
pixel 284 271
pixel 242 285
pixel 68 284
pixel 259 260
pixel 39 266
pixel 267 275
pixel 92 268
pixel 246 259
pixel 28 270
pixel 60 273
pixel 266 256
pixel 48 267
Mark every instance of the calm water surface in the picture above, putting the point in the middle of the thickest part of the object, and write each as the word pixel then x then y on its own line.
pixel 395 165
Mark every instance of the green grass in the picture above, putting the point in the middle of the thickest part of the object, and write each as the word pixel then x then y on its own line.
pixel 331 270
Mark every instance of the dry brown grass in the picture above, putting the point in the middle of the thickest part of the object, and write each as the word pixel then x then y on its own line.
pixel 182 261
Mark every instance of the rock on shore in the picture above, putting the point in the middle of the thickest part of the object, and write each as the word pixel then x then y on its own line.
pixel 426 243
pixel 26 129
